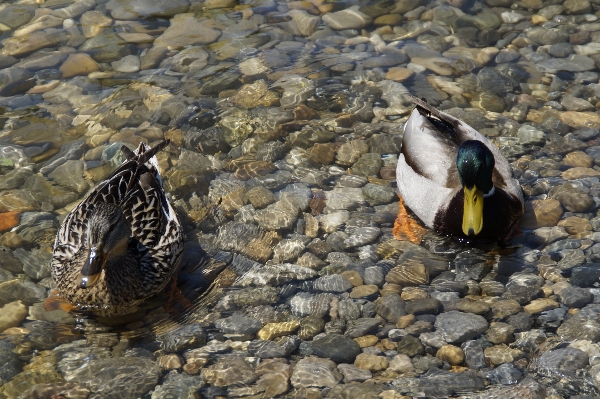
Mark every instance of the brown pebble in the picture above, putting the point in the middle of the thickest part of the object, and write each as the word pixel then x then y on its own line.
pixel 8 220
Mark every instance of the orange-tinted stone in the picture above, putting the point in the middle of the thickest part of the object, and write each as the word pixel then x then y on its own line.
pixel 8 220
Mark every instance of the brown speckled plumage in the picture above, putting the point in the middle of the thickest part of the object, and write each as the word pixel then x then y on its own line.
pixel 152 253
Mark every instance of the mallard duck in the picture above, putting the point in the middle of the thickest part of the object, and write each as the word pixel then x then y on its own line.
pixel 455 180
pixel 123 242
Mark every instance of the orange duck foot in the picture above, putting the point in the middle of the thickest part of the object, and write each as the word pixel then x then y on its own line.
pixel 56 302
pixel 406 228
pixel 177 304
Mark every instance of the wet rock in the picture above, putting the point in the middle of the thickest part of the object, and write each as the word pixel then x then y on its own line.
pixel 178 386
pixel 106 47
pixel 352 373
pixel 274 330
pixel 270 349
pixel 444 383
pixel 131 376
pixel 333 283
pixel 505 374
pixel 36 263
pixel 20 290
pixel 239 324
pixel 410 346
pixel 575 297
pixel 474 357
pixel 360 327
pixel 541 213
pixel 11 315
pixel 458 327
pixel 573 63
pixel 349 18
pixel 16 15
pixel 124 9
pixel 371 363
pixel 315 372
pixel 15 81
pixel 184 337
pixel 585 276
pixel 566 360
pixel 336 347
pixel 231 370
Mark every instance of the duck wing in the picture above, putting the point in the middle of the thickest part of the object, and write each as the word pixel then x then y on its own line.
pixel 454 131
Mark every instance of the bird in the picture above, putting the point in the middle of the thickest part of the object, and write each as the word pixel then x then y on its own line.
pixel 122 243
pixel 455 180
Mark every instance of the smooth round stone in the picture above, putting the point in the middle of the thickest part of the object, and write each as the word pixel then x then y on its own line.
pixel 239 324
pixel 578 159
pixel 575 225
pixel 12 314
pixel 390 307
pixel 579 173
pixel 170 361
pixel 332 283
pixel 127 64
pixel 561 50
pixel 232 371
pixel 451 354
pixel 413 293
pixel 349 18
pixel 458 327
pixel 336 347
pixel 106 47
pixel 580 120
pixel 528 135
pixel 180 34
pixel 499 354
pixel 505 374
pixel 371 363
pixel 366 341
pixel 488 102
pixel 545 36
pixel 577 6
pixel 576 104
pixel 315 372
pixel 78 64
pixel 379 194
pixel 564 360
pixel 408 274
pixel 307 24
pixel 422 306
pixel 411 346
pixel 475 307
pixel 184 337
pixel 133 9
pixel 352 373
pixel 8 220
pixel 270 349
pixel 400 364
pixel 93 23
pixel 504 308
pixel 541 213
pixel 16 15
pixel 540 305
pixel 274 330
pixel 388 19
pixel 374 275
pixel 15 81
pixel 500 333
pixel 573 63
pixel 575 297
pixel 364 291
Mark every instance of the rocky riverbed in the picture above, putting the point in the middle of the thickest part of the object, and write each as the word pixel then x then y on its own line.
pixel 285 119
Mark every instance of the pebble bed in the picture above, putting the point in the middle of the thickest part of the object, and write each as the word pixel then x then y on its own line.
pixel 286 118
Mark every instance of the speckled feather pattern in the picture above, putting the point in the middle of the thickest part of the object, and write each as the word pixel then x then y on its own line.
pixel 153 252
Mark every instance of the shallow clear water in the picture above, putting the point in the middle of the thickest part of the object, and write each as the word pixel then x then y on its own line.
pixel 285 121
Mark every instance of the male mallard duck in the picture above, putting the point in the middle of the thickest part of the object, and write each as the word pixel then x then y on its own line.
pixel 455 180
pixel 123 242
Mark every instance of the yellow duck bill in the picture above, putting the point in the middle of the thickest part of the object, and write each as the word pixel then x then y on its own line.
pixel 473 211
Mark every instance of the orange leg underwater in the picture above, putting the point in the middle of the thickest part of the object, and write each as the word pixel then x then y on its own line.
pixel 406 228
pixel 56 302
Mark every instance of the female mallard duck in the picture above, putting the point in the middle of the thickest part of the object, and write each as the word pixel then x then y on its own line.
pixel 123 242
pixel 455 180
